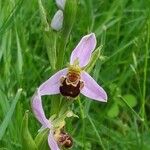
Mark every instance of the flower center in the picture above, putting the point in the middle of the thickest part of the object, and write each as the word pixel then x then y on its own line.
pixel 71 84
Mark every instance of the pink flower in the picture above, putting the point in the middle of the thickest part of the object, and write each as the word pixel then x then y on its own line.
pixel 69 82
pixel 72 81
pixel 40 115
pixel 56 137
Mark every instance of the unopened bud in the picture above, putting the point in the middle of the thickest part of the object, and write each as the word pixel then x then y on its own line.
pixel 61 4
pixel 57 21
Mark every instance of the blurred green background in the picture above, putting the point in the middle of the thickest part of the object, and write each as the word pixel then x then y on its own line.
pixel 123 28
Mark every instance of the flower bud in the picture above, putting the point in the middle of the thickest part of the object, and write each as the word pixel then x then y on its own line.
pixel 57 21
pixel 61 4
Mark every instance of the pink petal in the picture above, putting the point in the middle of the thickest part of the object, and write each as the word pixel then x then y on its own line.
pixel 51 86
pixel 91 89
pixel 39 112
pixel 52 142
pixel 83 50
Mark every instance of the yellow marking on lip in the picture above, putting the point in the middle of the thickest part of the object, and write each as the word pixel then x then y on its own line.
pixel 71 83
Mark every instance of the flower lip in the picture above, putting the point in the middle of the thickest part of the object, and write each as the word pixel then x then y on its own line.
pixel 65 140
pixel 70 90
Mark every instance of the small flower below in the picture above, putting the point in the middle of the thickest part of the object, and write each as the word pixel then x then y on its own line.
pixel 64 139
pixel 57 136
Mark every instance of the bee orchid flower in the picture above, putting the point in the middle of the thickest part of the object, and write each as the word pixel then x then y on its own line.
pixel 69 82
pixel 72 81
pixel 56 137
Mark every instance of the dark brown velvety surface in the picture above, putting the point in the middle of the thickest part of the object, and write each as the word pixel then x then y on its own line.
pixel 70 90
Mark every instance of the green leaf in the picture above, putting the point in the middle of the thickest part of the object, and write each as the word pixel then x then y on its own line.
pixel 9 114
pixel 27 140
pixel 19 54
pixel 113 111
pixel 10 19
pixel 48 36
pixel 43 16
pixel 51 47
pixel 41 140
pixel 94 58
pixel 69 15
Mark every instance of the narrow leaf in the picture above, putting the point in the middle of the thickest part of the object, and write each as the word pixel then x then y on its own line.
pixel 27 140
pixel 94 58
pixel 41 140
pixel 8 116
pixel 19 53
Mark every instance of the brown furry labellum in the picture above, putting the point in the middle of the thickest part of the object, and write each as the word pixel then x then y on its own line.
pixel 71 85
pixel 65 140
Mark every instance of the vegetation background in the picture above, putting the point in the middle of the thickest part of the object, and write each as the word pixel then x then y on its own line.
pixel 123 28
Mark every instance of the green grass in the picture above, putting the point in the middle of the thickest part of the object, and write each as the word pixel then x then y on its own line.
pixel 123 28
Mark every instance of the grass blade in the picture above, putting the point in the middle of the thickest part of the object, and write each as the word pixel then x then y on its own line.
pixel 8 117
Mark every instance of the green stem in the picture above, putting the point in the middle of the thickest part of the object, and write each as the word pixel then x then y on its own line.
pixel 55 104
pixel 144 84
pixel 69 19
pixel 83 122
pixel 97 134
pixel 134 112
pixel 61 50
pixel 145 74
